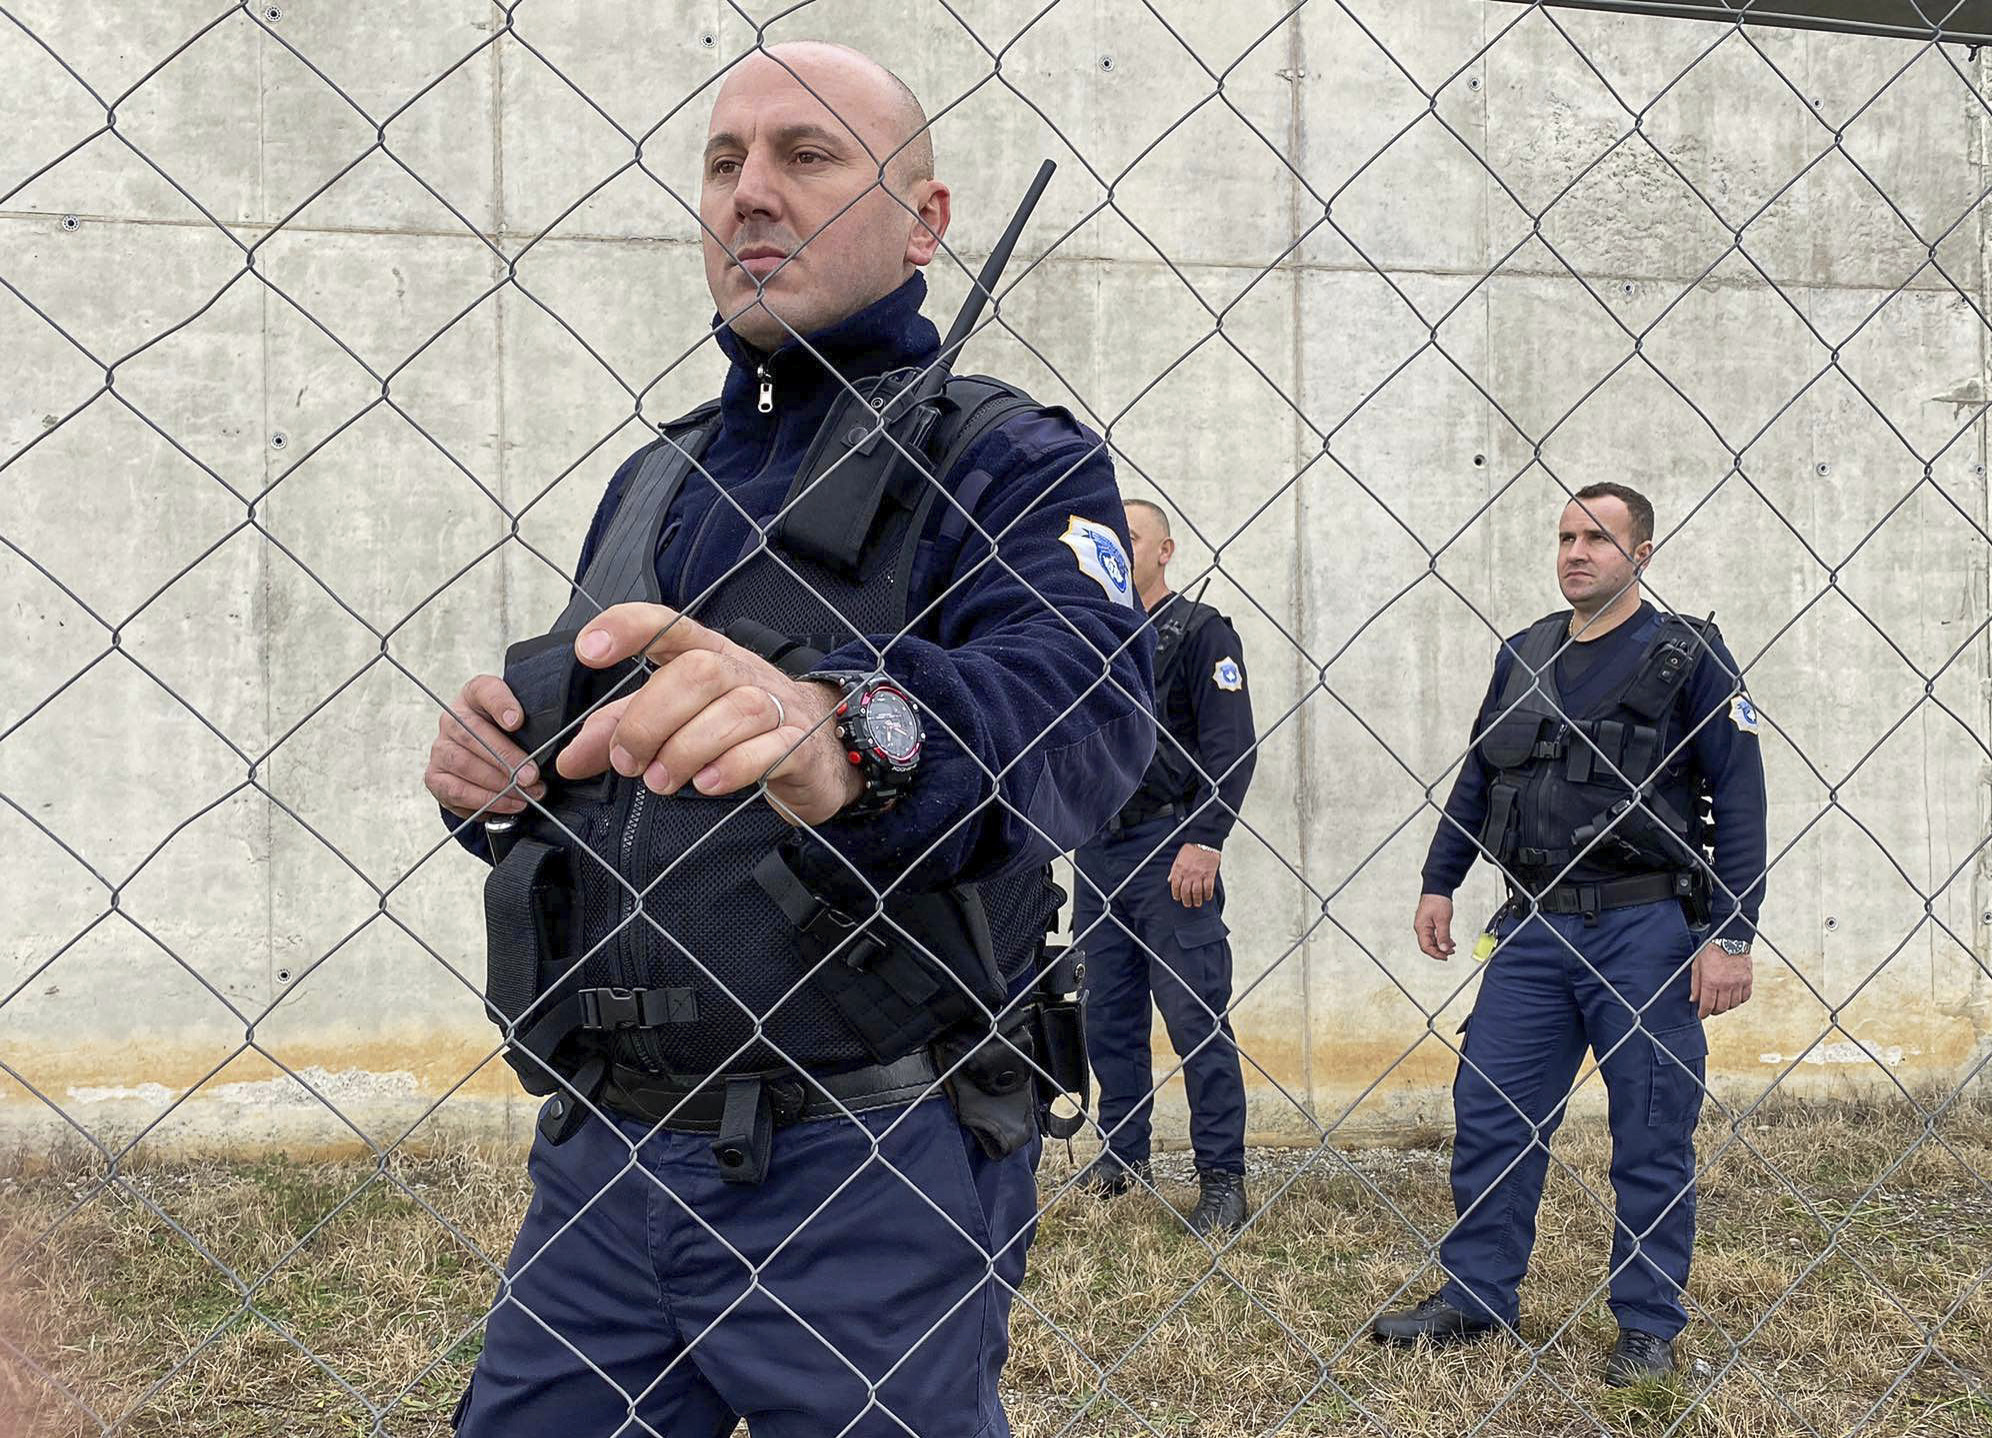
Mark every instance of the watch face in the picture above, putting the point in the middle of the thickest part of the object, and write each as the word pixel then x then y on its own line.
pixel 894 730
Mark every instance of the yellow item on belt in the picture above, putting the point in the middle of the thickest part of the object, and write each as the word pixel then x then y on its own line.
pixel 1483 947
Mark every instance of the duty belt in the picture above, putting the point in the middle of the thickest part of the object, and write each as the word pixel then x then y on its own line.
pixel 1592 899
pixel 1134 816
pixel 744 1110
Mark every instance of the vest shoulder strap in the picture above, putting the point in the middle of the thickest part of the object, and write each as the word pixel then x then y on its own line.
pixel 1181 630
pixel 624 565
pixel 1531 685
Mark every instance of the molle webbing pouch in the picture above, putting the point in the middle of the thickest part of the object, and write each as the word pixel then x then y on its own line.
pixel 853 473
pixel 1511 743
pixel 1497 833
pixel 1599 751
pixel 528 924
pixel 1665 668
pixel 847 475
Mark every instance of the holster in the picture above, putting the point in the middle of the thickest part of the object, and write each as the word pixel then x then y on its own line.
pixel 1058 1032
pixel 989 1079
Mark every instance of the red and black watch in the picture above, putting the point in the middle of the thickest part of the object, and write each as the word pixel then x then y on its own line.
pixel 879 726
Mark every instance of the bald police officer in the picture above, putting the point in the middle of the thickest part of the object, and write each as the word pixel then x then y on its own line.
pixel 1616 779
pixel 1150 908
pixel 768 921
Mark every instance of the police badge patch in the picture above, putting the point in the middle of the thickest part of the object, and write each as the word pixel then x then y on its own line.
pixel 1101 557
pixel 1228 676
pixel 1743 714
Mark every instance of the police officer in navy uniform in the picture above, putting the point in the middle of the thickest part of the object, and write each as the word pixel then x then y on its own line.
pixel 1616 778
pixel 1155 872
pixel 768 915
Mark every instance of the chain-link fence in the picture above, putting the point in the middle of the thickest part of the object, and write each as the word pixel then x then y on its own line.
pixel 326 328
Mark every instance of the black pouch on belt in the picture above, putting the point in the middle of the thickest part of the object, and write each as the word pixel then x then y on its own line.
pixel 1058 1031
pixel 989 1079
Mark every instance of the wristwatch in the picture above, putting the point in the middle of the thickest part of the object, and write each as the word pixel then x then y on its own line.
pixel 1733 946
pixel 879 726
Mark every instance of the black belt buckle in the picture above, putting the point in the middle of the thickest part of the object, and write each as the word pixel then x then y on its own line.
pixel 746 1131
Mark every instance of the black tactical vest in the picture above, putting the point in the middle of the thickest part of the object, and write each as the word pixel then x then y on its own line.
pixel 1601 788
pixel 694 931
pixel 1173 778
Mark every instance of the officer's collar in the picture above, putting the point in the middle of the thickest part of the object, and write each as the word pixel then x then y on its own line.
pixel 887 334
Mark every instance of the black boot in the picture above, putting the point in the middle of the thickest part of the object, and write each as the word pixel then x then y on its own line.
pixel 1435 1320
pixel 1107 1177
pixel 1638 1356
pixel 1221 1201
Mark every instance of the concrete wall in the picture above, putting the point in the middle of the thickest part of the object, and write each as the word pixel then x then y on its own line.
pixel 1353 365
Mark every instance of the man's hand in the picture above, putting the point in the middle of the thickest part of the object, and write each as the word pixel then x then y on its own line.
pixel 1193 877
pixel 1720 980
pixel 472 762
pixel 1434 925
pixel 713 715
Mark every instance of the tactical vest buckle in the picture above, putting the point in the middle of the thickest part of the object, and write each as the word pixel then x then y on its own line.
pixel 608 1009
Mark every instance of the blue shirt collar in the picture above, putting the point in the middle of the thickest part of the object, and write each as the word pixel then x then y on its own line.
pixel 887 334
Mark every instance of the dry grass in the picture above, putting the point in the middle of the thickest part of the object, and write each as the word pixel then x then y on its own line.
pixel 110 1301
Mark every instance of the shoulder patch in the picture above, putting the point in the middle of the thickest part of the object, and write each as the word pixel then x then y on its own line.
pixel 1101 558
pixel 1743 714
pixel 1227 675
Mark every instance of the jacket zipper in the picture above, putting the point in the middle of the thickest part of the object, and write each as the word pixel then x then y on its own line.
pixel 626 942
pixel 629 943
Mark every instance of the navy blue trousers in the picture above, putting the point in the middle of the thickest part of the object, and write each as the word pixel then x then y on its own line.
pixel 867 1279
pixel 1153 948
pixel 1540 1006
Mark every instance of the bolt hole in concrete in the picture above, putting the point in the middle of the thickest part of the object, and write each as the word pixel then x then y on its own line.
pixel 1832 923
pixel 1106 64
pixel 71 224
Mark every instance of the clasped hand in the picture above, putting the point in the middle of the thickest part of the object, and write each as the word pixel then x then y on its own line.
pixel 713 715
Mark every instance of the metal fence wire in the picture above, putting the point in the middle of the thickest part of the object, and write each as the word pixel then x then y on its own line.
pixel 327 324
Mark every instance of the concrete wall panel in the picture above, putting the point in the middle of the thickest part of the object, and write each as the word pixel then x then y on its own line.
pixel 1269 285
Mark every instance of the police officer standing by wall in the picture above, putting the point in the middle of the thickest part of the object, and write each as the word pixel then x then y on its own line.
pixel 1608 733
pixel 768 917
pixel 1155 869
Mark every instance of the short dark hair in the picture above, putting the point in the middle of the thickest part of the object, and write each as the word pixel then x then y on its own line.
pixel 1161 515
pixel 1637 504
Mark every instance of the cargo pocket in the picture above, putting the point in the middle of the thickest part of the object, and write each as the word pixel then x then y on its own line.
pixel 1679 1066
pixel 1201 932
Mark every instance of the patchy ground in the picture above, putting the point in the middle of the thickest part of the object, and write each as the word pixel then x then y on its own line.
pixel 1844 1278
